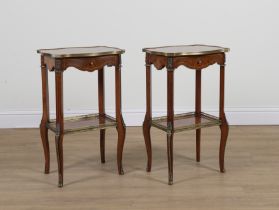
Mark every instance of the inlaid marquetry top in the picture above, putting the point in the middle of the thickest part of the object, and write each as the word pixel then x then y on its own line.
pixel 80 51
pixel 178 50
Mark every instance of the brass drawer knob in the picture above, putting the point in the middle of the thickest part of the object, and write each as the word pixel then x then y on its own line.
pixel 199 62
pixel 91 63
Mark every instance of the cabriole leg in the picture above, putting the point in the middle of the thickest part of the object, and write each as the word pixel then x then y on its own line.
pixel 198 113
pixel 101 94
pixel 121 128
pixel 148 118
pixel 224 126
pixel 45 116
pixel 59 124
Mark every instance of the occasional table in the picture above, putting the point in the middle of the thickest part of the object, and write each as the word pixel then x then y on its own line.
pixel 85 59
pixel 195 57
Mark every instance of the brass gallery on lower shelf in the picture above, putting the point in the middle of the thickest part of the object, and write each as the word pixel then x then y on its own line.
pixel 212 121
pixel 107 121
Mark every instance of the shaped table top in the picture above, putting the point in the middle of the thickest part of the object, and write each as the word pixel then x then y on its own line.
pixel 80 51
pixel 181 50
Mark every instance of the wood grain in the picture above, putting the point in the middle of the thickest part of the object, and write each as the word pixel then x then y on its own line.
pixel 171 62
pixel 90 64
pixel 192 62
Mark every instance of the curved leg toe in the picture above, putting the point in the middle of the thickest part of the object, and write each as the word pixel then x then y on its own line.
pixel 146 133
pixel 170 157
pixel 59 152
pixel 44 137
pixel 198 144
pixel 121 129
pixel 102 145
pixel 224 135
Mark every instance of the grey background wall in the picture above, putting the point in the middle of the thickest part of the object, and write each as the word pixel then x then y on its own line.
pixel 249 28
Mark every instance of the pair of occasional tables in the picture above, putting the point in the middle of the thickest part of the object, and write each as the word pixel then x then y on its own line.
pixel 196 57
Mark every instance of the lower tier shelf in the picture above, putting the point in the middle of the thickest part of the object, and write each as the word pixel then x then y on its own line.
pixel 186 121
pixel 84 123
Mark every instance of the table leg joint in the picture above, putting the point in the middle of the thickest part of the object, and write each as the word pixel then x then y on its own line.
pixel 170 129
